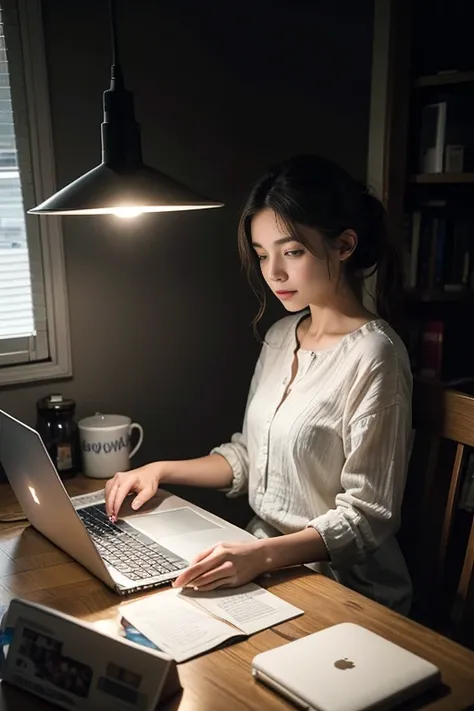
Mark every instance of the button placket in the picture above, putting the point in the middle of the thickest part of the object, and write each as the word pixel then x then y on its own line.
pixel 266 446
pixel 304 365
pixel 282 391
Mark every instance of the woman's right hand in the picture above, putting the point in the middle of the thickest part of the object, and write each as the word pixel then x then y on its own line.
pixel 144 481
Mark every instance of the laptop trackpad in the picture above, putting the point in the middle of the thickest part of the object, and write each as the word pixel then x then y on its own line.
pixel 171 523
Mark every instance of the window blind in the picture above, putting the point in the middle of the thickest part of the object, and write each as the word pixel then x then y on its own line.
pixel 16 299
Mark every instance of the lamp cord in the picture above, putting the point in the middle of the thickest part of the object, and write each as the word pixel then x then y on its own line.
pixel 116 68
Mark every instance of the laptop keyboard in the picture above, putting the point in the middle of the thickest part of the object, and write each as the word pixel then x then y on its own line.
pixel 126 549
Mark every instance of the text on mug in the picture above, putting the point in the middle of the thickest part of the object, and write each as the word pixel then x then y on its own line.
pixel 106 447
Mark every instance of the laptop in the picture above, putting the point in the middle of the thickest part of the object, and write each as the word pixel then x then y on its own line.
pixel 345 667
pixel 141 550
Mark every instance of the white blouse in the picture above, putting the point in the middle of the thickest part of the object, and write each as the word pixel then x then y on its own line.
pixel 333 454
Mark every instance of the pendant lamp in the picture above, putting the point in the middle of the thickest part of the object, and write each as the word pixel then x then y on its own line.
pixel 122 185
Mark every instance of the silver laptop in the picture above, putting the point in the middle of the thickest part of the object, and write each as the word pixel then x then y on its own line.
pixel 345 667
pixel 141 550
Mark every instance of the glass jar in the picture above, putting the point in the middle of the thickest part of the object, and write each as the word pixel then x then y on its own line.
pixel 58 429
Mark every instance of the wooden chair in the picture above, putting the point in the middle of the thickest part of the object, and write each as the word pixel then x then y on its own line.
pixel 443 420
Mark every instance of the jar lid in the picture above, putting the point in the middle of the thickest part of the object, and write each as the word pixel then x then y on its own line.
pixel 56 403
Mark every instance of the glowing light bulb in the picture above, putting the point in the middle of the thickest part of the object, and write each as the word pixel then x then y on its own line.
pixel 126 212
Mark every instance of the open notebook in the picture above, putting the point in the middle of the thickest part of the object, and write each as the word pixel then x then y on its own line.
pixel 185 623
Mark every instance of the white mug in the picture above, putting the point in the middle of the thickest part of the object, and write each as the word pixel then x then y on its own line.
pixel 105 444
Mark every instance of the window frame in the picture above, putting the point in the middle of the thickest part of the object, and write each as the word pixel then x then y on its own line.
pixel 49 352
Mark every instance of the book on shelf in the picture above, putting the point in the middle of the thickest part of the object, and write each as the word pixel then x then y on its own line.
pixel 445 135
pixel 439 252
pixel 430 363
pixel 425 344
pixel 454 159
pixel 432 137
pixel 439 346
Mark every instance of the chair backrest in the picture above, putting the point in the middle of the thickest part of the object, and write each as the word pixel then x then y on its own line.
pixel 443 420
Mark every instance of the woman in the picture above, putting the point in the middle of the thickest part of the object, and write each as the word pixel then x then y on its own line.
pixel 325 442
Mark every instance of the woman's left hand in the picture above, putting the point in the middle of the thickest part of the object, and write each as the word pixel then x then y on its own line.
pixel 226 565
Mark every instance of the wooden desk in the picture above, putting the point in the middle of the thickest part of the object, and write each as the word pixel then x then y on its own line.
pixel 34 569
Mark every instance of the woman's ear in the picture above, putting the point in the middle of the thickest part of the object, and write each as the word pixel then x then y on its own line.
pixel 347 242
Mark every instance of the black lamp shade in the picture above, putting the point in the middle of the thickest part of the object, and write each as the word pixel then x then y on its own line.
pixel 125 192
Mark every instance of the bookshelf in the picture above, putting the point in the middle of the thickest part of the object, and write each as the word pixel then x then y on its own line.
pixel 444 79
pixel 421 161
pixel 442 178
pixel 437 296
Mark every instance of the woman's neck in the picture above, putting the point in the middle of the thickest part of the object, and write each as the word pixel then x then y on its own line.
pixel 331 321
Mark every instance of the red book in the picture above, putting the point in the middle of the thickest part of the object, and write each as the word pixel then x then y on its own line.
pixel 431 350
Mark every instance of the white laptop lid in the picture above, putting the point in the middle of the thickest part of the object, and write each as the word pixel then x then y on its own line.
pixel 181 527
pixel 344 668
pixel 42 496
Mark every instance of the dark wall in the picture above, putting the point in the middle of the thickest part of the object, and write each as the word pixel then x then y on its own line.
pixel 160 313
pixel 442 36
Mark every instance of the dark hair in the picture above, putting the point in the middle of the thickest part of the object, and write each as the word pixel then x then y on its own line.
pixel 315 192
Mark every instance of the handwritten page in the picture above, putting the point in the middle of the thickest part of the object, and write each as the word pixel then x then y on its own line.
pixel 178 628
pixel 250 608
pixel 187 623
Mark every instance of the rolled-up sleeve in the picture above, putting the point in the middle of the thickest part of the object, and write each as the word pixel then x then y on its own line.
pixel 236 451
pixel 237 456
pixel 367 510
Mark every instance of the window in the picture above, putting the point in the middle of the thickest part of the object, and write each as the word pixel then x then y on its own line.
pixel 34 335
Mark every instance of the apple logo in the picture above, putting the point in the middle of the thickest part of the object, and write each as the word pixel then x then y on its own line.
pixel 33 495
pixel 344 664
